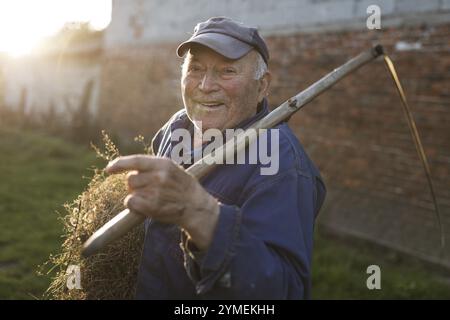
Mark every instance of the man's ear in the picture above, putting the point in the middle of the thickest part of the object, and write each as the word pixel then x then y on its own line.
pixel 264 84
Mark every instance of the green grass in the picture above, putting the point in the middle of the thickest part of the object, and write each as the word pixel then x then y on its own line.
pixel 39 173
pixel 340 265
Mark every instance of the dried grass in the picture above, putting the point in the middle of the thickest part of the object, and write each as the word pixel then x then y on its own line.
pixel 112 273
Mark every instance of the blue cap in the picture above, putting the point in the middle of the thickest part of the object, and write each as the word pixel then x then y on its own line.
pixel 227 37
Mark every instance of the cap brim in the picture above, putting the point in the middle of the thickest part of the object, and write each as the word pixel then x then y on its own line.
pixel 224 45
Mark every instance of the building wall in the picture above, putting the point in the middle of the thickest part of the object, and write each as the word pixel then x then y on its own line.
pixel 2 81
pixel 40 84
pixel 139 90
pixel 54 78
pixel 355 132
pixel 140 22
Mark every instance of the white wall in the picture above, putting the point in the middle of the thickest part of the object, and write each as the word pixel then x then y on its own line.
pixel 140 22
pixel 49 83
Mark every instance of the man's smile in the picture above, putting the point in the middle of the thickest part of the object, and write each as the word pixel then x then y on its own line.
pixel 210 104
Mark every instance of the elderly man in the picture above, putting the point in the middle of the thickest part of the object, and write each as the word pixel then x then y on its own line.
pixel 236 234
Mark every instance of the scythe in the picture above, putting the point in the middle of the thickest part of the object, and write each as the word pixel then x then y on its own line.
pixel 126 220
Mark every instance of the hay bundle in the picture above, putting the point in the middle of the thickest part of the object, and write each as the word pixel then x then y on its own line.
pixel 112 273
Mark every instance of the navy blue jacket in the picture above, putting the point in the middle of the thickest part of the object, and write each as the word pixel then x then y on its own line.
pixel 262 245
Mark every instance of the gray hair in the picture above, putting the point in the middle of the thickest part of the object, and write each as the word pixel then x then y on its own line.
pixel 260 67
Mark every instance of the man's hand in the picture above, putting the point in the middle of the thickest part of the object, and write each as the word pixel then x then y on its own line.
pixel 160 189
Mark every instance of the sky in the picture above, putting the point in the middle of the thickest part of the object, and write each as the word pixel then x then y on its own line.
pixel 23 23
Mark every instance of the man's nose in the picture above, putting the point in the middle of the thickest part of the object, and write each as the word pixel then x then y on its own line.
pixel 208 82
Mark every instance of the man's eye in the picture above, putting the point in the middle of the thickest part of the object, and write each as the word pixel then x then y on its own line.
pixel 229 71
pixel 194 68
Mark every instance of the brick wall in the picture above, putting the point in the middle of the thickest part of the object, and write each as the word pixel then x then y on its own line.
pixel 356 132
pixel 140 90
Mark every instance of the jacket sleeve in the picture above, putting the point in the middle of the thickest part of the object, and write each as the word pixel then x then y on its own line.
pixel 261 250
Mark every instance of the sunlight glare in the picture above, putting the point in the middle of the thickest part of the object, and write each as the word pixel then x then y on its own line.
pixel 23 23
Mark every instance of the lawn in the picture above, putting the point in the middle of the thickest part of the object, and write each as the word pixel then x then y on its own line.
pixel 39 173
pixel 340 265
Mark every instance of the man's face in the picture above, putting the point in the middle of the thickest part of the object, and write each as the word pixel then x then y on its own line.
pixel 219 92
